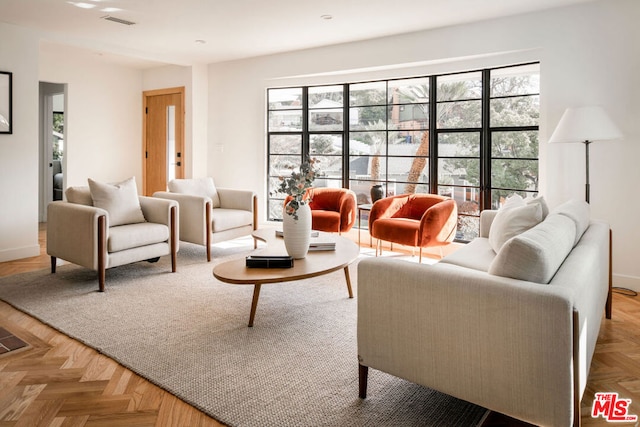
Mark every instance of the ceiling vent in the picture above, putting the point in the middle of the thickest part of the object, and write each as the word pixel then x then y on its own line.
pixel 117 20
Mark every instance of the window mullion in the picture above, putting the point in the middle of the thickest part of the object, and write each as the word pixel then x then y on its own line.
pixel 305 123
pixel 433 136
pixel 485 143
pixel 345 136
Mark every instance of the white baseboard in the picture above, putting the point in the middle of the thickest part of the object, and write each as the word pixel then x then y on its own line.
pixel 19 253
pixel 628 282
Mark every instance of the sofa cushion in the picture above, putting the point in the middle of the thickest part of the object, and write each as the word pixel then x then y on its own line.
pixel 204 187
pixel 119 200
pixel 226 219
pixel 536 254
pixel 579 212
pixel 136 235
pixel 513 218
pixel 477 254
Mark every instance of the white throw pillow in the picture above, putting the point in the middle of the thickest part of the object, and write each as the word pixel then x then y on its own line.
pixel 579 212
pixel 541 201
pixel 119 200
pixel 536 254
pixel 513 218
pixel 204 187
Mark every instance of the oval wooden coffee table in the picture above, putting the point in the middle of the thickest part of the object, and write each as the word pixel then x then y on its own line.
pixel 316 263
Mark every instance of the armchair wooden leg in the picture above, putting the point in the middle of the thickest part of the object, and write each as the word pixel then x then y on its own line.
pixel 53 264
pixel 363 373
pixel 173 226
pixel 420 257
pixel 174 239
pixel 208 230
pixel 102 275
pixel 102 251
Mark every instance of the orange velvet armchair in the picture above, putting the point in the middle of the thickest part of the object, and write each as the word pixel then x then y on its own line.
pixel 332 209
pixel 417 220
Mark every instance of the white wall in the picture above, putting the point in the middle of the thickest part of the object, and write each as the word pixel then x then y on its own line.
pixel 103 117
pixel 200 108
pixel 19 156
pixel 588 53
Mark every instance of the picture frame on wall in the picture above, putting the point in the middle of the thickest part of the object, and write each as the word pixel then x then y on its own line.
pixel 6 95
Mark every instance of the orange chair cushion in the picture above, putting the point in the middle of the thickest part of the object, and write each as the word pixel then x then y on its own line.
pixel 399 230
pixel 325 220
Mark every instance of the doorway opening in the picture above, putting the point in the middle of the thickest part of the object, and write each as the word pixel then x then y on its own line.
pixel 52 144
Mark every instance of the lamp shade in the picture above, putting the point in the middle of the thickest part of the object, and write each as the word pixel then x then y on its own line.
pixel 585 124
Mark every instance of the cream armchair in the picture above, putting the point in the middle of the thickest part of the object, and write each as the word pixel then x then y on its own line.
pixel 210 215
pixel 89 236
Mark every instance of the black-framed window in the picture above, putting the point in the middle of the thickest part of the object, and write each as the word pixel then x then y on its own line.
pixel 470 135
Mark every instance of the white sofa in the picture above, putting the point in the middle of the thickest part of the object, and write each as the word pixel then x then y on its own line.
pixel 210 215
pixel 516 346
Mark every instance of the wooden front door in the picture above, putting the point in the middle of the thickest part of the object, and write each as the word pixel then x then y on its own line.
pixel 163 139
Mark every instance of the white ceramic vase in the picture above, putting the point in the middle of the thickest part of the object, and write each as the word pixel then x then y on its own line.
pixel 297 232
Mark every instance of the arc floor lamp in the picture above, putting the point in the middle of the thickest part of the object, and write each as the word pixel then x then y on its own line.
pixel 586 125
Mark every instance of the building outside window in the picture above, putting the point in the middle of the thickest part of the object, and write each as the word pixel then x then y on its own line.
pixel 472 136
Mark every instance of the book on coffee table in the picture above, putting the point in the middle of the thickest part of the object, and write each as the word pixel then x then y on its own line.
pixel 322 244
pixel 269 261
pixel 314 233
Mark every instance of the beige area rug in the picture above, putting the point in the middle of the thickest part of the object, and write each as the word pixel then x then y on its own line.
pixel 187 333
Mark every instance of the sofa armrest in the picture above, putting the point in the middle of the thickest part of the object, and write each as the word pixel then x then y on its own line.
pixel 237 199
pixel 486 219
pixel 72 232
pixel 157 210
pixel 499 343
pixel 192 215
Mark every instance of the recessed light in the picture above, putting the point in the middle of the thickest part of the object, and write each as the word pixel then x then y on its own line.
pixel 82 5
pixel 326 17
pixel 200 41
pixel 110 10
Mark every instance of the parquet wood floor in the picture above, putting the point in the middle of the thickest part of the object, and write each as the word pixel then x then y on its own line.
pixel 57 381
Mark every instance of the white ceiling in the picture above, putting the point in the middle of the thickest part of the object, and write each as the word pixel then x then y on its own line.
pixel 166 30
